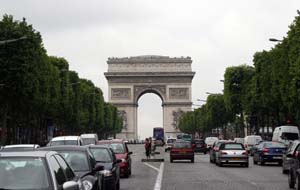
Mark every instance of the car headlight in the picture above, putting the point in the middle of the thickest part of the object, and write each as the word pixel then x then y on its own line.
pixel 87 185
pixel 106 173
pixel 123 160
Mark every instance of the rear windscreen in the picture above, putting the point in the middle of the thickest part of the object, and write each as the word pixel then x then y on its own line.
pixel 182 145
pixel 232 147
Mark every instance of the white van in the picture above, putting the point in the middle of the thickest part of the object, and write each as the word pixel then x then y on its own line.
pixel 65 140
pixel 209 141
pixel 89 139
pixel 285 134
pixel 251 140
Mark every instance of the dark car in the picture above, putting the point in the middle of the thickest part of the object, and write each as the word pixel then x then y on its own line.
pixel 199 145
pixel 288 156
pixel 232 153
pixel 214 149
pixel 82 161
pixel 294 171
pixel 106 157
pixel 37 170
pixel 182 150
pixel 254 148
pixel 268 151
pixel 122 153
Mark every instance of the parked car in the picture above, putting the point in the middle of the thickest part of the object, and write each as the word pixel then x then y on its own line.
pixel 88 139
pixel 39 170
pixel 122 153
pixel 209 141
pixel 285 134
pixel 251 140
pixel 268 151
pixel 232 153
pixel 82 161
pixel 294 171
pixel 199 145
pixel 65 140
pixel 20 147
pixel 182 150
pixel 106 157
pixel 287 158
pixel 214 149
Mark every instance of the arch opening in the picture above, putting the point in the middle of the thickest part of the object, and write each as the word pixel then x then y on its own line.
pixel 150 114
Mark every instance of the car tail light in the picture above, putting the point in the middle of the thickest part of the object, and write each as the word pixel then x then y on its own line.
pixel 265 150
pixel 223 153
pixel 245 153
pixel 216 149
pixel 296 154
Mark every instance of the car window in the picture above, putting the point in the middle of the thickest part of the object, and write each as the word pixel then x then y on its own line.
pixel 274 144
pixel 87 141
pixel 118 148
pixel 101 155
pixel 58 171
pixel 170 140
pixel 77 160
pixel 23 173
pixel 232 147
pixel 68 171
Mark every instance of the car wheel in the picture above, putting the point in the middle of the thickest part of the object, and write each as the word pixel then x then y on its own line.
pixel 220 164
pixel 254 162
pixel 261 161
pixel 192 160
pixel 118 185
pixel 298 182
pixel 247 165
pixel 291 180
pixel 280 163
pixel 205 152
pixel 171 160
pixel 284 171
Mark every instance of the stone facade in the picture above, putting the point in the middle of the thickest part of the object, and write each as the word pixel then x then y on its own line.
pixel 169 78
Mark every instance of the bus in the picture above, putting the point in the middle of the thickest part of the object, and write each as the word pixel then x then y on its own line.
pixel 159 135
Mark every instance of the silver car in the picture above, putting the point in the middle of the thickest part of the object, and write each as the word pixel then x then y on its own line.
pixel 232 153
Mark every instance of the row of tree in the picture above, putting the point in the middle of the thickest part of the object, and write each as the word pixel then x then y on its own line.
pixel 38 91
pixel 256 97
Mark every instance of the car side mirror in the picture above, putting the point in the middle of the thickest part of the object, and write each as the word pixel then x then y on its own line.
pixel 129 153
pixel 98 168
pixel 70 185
pixel 117 161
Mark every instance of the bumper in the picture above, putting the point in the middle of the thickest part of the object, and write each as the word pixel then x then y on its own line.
pixel 233 160
pixel 109 183
pixel 181 156
pixel 272 158
pixel 124 168
pixel 200 149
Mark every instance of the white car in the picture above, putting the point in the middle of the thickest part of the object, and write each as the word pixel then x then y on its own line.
pixel 88 139
pixel 65 140
pixel 169 144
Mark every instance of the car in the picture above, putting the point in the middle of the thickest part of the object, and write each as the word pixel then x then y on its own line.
pixel 88 139
pixel 232 153
pixel 122 153
pixel 209 141
pixel 269 151
pixel 106 157
pixel 20 147
pixel 65 140
pixel 38 170
pixel 82 161
pixel 182 150
pixel 287 158
pixel 214 149
pixel 254 148
pixel 294 170
pixel 251 140
pixel 169 144
pixel 199 145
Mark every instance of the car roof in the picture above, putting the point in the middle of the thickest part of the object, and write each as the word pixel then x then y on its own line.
pixel 41 153
pixel 21 146
pixel 65 147
pixel 61 138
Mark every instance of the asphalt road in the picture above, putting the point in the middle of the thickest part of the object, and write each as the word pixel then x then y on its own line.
pixel 199 175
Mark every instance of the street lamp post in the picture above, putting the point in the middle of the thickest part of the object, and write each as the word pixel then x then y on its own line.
pixel 274 40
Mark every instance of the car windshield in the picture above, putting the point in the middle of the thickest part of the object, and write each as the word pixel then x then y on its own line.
pixel 182 145
pixel 274 145
pixel 87 141
pixel 233 147
pixel 64 142
pixel 101 154
pixel 171 140
pixel 290 136
pixel 77 160
pixel 23 173
pixel 118 148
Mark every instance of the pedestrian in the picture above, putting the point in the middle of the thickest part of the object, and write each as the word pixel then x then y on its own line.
pixel 147 148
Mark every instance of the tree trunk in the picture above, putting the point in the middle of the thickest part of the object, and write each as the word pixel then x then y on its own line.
pixel 4 125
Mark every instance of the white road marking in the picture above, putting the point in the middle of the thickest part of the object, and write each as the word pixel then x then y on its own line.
pixel 152 167
pixel 159 177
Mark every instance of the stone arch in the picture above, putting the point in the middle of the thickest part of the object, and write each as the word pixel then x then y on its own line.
pixel 129 78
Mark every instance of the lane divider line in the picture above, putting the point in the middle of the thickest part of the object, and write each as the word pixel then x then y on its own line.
pixel 159 177
pixel 149 165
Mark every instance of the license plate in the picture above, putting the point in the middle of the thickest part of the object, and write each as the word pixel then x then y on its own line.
pixel 235 158
pixel 277 157
pixel 183 152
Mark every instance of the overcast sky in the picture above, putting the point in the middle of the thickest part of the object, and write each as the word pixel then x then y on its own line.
pixel 216 34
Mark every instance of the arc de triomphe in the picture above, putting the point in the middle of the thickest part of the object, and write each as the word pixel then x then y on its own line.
pixel 169 78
